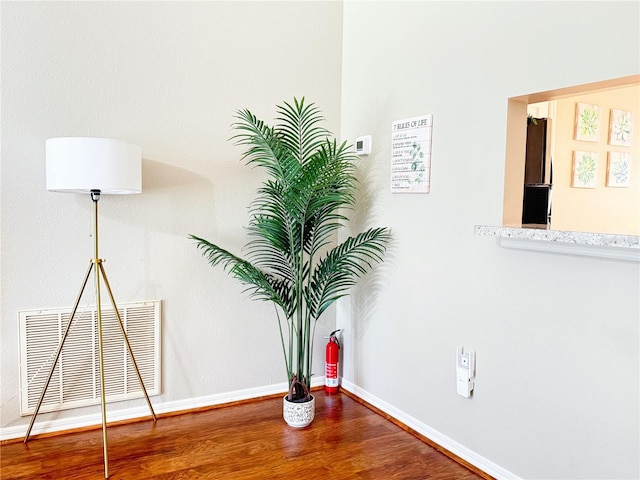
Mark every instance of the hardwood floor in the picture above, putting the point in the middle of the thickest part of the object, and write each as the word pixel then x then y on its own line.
pixel 248 441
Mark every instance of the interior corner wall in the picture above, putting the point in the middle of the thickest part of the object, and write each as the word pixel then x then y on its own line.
pixel 556 336
pixel 169 77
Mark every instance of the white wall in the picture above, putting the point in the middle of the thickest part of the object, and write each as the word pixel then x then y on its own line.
pixel 167 76
pixel 556 336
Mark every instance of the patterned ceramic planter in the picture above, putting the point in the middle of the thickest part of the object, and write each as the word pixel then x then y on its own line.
pixel 298 414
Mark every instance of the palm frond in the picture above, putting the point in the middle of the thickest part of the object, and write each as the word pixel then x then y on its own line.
pixel 343 265
pixel 259 285
pixel 299 128
pixel 265 146
pixel 333 186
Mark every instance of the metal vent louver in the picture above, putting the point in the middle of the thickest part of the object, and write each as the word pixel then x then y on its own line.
pixel 76 378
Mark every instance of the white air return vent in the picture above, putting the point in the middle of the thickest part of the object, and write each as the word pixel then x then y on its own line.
pixel 76 378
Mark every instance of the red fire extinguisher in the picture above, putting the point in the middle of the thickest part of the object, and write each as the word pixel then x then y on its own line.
pixel 331 370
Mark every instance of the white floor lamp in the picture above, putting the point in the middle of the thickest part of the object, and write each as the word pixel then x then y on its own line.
pixel 93 166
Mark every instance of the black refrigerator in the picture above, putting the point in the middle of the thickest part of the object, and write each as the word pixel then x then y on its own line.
pixel 536 202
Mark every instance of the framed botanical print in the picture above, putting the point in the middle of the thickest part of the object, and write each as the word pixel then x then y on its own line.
pixel 585 169
pixel 587 122
pixel 619 169
pixel 620 128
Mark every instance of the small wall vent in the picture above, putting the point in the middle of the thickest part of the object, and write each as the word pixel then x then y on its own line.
pixel 76 378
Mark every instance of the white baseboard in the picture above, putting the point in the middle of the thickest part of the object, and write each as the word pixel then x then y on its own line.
pixel 451 445
pixel 71 423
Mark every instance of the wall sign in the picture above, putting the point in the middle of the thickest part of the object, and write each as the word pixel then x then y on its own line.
pixel 411 154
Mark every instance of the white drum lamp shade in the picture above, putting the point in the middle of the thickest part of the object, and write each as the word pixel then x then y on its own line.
pixel 82 164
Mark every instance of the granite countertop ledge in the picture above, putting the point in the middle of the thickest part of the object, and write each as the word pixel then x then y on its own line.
pixel 577 238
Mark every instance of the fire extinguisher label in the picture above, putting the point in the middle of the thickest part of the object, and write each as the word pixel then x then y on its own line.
pixel 331 375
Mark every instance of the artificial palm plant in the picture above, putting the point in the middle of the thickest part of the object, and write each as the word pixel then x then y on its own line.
pixel 292 259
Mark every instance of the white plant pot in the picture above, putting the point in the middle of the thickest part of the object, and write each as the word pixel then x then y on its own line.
pixel 298 414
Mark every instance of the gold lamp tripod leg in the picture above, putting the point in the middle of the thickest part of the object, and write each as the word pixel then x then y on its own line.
pixel 98 269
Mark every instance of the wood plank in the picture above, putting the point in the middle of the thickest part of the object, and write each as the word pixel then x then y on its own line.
pixel 249 441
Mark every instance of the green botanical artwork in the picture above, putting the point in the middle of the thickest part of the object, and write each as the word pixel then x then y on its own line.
pixel 619 172
pixel 585 167
pixel 587 122
pixel 621 128
pixel 417 165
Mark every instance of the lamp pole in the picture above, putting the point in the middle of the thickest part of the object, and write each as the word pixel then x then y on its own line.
pixel 96 264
